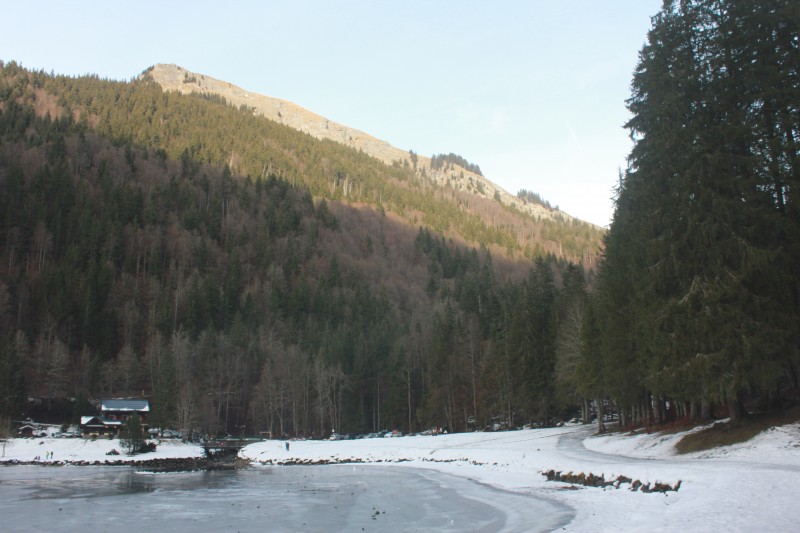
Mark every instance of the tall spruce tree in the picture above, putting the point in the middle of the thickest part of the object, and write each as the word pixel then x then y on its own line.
pixel 699 301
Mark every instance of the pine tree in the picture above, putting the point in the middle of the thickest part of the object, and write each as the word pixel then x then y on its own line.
pixel 12 380
pixel 697 262
pixel 132 438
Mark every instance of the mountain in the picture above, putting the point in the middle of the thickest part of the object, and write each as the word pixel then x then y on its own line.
pixel 241 273
pixel 176 78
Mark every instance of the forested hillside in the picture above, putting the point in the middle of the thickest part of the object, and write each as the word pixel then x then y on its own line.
pixel 461 182
pixel 247 277
pixel 698 302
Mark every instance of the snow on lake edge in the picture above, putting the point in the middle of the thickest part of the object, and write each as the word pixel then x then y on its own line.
pixel 737 488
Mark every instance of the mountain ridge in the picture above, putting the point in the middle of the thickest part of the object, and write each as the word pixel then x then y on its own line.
pixel 172 77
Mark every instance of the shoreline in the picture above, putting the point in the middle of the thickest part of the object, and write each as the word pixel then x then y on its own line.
pixel 590 473
pixel 184 464
pixel 163 464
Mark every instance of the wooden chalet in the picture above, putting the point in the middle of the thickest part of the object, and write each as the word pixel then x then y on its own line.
pixel 97 426
pixel 28 430
pixel 113 415
pixel 121 410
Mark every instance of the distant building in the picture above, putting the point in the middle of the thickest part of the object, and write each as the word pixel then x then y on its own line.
pixel 113 415
pixel 96 426
pixel 29 430
pixel 122 410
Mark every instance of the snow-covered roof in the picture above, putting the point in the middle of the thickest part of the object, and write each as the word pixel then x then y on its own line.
pixel 99 421
pixel 143 406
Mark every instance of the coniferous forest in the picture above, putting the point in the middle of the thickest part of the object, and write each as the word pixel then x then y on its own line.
pixel 135 262
pixel 696 308
pixel 249 278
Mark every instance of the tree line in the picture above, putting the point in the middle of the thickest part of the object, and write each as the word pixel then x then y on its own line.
pixel 534 198
pixel 439 161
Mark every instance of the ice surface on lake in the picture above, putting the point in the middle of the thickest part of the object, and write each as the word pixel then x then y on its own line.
pixel 320 498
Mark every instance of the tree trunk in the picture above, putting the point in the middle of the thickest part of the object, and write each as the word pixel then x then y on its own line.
pixel 734 410
pixel 601 423
pixel 659 407
pixel 408 396
pixel 705 411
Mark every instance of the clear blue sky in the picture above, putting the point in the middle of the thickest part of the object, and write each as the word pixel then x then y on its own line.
pixel 532 91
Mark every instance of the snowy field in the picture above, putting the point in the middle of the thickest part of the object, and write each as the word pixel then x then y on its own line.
pixel 746 487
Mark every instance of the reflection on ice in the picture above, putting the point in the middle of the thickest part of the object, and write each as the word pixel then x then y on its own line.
pixel 324 498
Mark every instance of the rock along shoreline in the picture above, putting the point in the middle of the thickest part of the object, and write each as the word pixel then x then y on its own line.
pixel 165 464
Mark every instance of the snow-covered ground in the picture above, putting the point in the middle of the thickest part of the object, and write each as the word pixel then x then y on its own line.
pixel 746 487
pixel 73 450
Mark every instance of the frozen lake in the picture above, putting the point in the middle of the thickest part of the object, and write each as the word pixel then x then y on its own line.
pixel 307 498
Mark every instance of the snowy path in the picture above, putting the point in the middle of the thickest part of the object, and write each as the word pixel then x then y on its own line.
pixel 745 488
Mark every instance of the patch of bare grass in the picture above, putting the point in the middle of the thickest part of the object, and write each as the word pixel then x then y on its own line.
pixel 727 433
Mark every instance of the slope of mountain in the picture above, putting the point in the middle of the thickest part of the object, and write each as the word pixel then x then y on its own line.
pixel 176 78
pixel 241 273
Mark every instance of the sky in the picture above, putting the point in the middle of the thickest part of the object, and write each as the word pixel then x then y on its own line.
pixel 531 91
